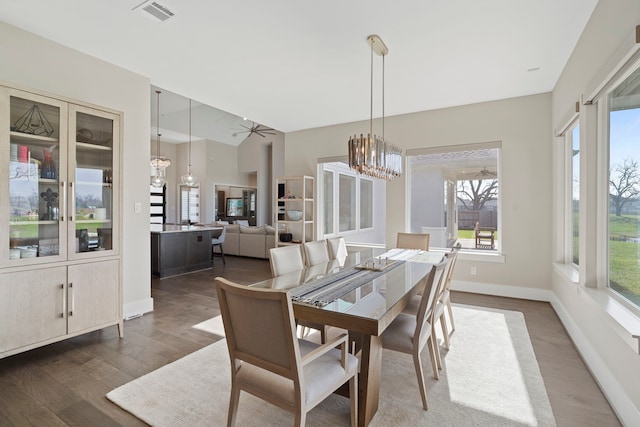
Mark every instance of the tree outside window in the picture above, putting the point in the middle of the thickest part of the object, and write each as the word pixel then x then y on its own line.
pixel 624 188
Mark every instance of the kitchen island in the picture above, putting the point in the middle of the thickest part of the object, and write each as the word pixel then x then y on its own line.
pixel 179 249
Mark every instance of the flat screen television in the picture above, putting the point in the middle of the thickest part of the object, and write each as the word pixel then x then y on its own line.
pixel 234 207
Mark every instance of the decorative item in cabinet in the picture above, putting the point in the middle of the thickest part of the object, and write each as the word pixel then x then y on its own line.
pixel 48 247
pixel 87 136
pixel 33 122
pixel 50 199
pixel 48 166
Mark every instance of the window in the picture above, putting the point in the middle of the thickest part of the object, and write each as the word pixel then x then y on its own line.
pixel 348 201
pixel 575 194
pixel 158 204
pixel 189 204
pixel 623 114
pixel 454 195
pixel 327 206
pixel 366 203
pixel 347 205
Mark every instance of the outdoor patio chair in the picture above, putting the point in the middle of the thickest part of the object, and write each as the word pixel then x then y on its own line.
pixel 485 237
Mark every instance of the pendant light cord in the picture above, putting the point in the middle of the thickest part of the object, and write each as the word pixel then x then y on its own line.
pixel 157 133
pixel 383 97
pixel 371 100
pixel 189 168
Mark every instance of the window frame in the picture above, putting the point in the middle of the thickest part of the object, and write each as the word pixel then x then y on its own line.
pixel 187 189
pixel 346 171
pixel 567 199
pixel 600 134
pixel 470 253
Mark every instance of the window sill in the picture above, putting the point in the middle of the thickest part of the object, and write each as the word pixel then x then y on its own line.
pixel 626 321
pixel 568 271
pixel 481 256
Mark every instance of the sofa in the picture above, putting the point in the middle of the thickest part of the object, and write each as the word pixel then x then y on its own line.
pixel 249 241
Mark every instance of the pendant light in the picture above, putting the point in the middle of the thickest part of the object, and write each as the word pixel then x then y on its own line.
pixel 373 155
pixel 159 164
pixel 189 179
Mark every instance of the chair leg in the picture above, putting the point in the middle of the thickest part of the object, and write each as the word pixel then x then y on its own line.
pixel 434 340
pixel 300 417
pixel 420 375
pixel 222 254
pixel 445 332
pixel 434 358
pixel 353 396
pixel 233 405
pixel 453 325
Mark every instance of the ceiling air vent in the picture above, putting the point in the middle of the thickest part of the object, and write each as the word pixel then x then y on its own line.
pixel 154 10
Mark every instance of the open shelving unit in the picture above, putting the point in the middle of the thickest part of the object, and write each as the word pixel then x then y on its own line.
pixel 295 194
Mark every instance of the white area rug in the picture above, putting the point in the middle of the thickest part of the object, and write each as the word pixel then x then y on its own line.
pixel 490 377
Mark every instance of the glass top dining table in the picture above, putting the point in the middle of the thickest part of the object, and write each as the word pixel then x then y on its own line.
pixel 366 311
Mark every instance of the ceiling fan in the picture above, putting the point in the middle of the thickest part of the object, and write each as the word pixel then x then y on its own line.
pixel 485 174
pixel 256 128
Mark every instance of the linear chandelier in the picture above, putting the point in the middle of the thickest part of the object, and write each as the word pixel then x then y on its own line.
pixel 373 155
pixel 159 164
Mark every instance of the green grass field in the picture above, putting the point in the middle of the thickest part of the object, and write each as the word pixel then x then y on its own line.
pixel 624 256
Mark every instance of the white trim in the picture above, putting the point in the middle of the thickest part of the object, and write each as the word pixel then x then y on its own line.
pixel 334 159
pixel 137 308
pixel 568 120
pixel 508 291
pixel 481 256
pixel 619 63
pixel 453 148
pixel 615 394
pixel 569 271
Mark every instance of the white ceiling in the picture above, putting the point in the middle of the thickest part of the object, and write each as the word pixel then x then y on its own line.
pixel 292 64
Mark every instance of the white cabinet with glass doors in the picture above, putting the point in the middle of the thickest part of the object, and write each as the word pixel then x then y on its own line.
pixel 59 163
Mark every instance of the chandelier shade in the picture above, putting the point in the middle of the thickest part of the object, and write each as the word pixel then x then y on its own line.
pixel 373 155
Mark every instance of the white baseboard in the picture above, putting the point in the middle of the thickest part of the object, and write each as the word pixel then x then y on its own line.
pixel 620 402
pixel 615 394
pixel 502 290
pixel 137 308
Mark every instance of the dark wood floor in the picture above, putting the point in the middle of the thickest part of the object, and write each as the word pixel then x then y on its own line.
pixel 65 384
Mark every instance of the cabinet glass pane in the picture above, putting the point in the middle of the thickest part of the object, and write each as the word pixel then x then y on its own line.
pixel 34 161
pixel 93 190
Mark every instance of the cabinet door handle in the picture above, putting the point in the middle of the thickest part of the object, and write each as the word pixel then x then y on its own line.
pixel 73 200
pixel 63 184
pixel 72 297
pixel 64 302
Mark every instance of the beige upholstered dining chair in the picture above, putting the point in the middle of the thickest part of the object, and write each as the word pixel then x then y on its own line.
pixel 269 362
pixel 412 241
pixel 410 334
pixel 315 252
pixel 285 259
pixel 288 259
pixel 337 249
pixel 443 300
